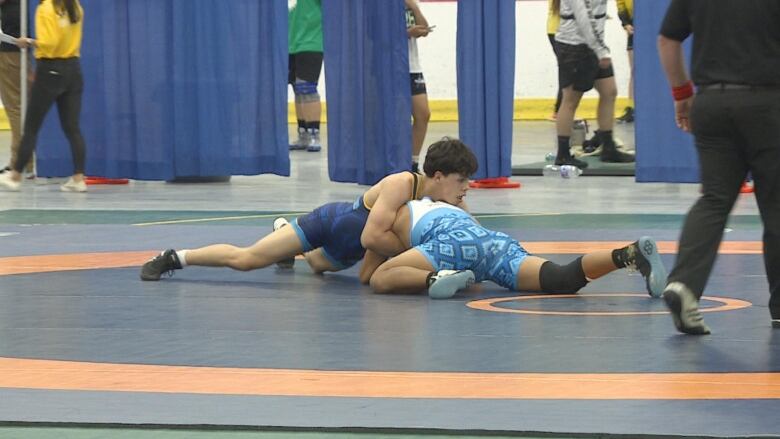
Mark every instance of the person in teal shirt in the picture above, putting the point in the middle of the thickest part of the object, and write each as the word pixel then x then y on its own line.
pixel 305 48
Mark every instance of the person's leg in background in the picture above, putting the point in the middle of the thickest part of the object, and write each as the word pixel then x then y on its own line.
pixel 308 66
pixel 421 115
pixel 49 84
pixel 723 168
pixel 607 88
pixel 577 70
pixel 628 112
pixel 559 95
pixel 69 110
pixel 303 140
pixel 563 125
pixel 10 93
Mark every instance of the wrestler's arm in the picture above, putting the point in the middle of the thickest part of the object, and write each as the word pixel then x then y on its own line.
pixel 378 233
pixel 371 261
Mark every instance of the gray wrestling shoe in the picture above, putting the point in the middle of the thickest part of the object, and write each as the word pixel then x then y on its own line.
pixel 286 263
pixel 684 308
pixel 304 139
pixel 644 258
pixel 443 284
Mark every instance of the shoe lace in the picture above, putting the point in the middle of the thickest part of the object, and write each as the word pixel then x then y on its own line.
pixel 631 264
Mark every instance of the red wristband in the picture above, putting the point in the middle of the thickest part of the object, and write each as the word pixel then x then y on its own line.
pixel 683 92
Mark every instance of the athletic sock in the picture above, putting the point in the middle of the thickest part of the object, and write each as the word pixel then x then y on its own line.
pixel 563 146
pixel 313 124
pixel 623 257
pixel 182 255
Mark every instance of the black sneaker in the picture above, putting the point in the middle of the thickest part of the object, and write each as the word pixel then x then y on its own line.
pixel 643 257
pixel 684 308
pixel 560 161
pixel 165 262
pixel 590 146
pixel 286 263
pixel 610 154
pixel 627 117
pixel 443 284
pixel 776 323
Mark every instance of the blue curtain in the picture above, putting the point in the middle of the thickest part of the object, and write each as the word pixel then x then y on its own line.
pixel 179 88
pixel 368 89
pixel 664 152
pixel 486 66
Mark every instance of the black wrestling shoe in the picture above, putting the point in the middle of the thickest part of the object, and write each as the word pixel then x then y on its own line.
pixel 165 262
pixel 286 263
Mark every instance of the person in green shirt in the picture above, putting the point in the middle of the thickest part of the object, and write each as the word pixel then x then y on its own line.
pixel 305 48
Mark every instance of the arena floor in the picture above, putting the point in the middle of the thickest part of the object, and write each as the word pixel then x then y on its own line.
pixel 88 350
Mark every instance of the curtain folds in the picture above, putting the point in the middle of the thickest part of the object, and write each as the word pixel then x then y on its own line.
pixel 664 153
pixel 368 89
pixel 179 88
pixel 485 67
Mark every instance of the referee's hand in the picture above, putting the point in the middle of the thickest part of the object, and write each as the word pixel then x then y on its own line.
pixel 682 110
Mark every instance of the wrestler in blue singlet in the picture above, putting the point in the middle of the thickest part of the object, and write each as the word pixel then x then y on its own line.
pixel 451 239
pixel 336 228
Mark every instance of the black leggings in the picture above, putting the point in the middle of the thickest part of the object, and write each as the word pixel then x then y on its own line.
pixel 60 81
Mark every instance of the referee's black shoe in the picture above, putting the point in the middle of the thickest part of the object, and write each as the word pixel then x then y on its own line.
pixel 684 308
pixel 165 262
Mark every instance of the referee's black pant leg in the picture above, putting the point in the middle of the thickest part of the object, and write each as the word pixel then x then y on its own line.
pixel 761 130
pixel 723 169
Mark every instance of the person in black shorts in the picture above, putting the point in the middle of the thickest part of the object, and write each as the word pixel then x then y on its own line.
pixel 305 64
pixel 584 63
pixel 735 120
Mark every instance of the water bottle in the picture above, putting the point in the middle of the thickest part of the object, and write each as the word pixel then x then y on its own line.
pixel 549 157
pixel 564 171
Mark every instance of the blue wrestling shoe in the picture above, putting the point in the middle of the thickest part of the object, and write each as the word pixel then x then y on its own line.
pixel 648 262
pixel 443 284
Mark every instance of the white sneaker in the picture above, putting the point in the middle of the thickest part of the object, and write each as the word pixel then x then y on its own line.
pixel 7 183
pixel 684 308
pixel 443 284
pixel 74 186
pixel 286 263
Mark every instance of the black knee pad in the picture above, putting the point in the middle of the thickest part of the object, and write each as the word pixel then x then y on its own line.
pixel 562 279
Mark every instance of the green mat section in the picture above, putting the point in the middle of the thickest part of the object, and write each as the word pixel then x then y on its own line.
pixel 145 218
pixel 122 432
pixel 595 168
